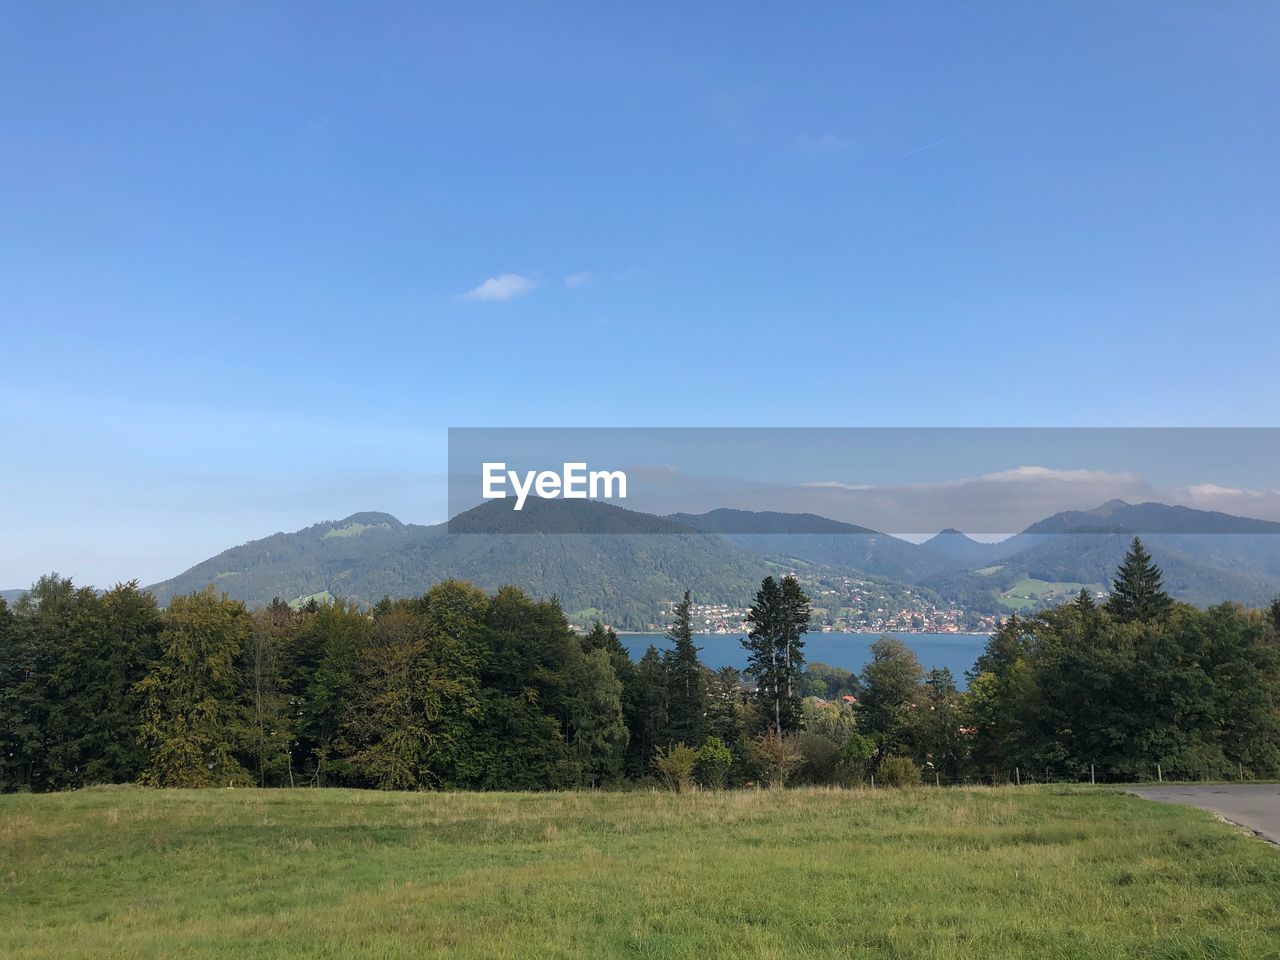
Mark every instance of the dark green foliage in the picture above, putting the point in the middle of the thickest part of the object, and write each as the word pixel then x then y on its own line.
pixel 23 704
pixel 1137 592
pixel 854 762
pixel 998 680
pixel 685 694
pixel 418 693
pixel 890 691
pixel 327 651
pixel 459 689
pixel 897 772
pixel 1193 691
pixel 828 682
pixel 269 710
pixel 775 649
pixel 819 756
pixel 937 722
pixel 596 728
pixel 649 729
pixel 190 721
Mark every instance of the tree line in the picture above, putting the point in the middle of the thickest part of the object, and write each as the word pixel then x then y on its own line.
pixel 461 689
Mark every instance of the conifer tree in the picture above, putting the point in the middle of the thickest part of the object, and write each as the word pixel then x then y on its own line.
pixel 1084 600
pixel 686 694
pixel 795 621
pixel 775 645
pixel 1137 593
pixel 650 730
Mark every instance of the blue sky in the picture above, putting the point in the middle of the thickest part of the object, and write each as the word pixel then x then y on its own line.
pixel 237 240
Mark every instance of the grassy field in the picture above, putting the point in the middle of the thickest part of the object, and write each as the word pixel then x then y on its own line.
pixel 1028 593
pixel 1006 872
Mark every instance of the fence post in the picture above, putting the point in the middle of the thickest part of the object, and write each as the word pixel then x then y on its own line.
pixel 937 780
pixel 1242 773
pixel 1092 777
pixel 1159 773
pixel 1017 775
pixel 873 781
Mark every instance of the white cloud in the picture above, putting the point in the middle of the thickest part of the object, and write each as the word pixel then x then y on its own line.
pixel 505 286
pixel 1211 491
pixel 1066 476
pixel 577 279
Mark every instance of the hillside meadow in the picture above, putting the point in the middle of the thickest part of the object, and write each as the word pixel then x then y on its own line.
pixel 982 872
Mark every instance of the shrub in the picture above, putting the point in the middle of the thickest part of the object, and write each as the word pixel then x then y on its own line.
pixel 855 756
pixel 714 761
pixel 897 772
pixel 777 757
pixel 675 766
pixel 818 758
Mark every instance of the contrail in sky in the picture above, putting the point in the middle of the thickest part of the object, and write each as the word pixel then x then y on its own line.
pixel 938 143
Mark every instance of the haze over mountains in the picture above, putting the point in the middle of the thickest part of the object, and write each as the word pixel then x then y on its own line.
pixel 641 561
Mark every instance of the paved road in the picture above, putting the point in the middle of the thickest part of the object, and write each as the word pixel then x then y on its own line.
pixel 1253 805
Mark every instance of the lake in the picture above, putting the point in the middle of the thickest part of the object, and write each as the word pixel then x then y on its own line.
pixel 848 650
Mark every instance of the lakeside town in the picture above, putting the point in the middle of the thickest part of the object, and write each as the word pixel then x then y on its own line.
pixel 844 604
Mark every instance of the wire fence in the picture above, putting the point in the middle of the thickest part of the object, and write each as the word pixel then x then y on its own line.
pixel 1094 775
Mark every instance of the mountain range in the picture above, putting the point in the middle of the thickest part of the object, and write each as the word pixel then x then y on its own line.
pixel 625 566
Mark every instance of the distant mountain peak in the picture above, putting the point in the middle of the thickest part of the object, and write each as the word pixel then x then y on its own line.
pixel 729 520
pixel 556 516
pixel 370 518
pixel 960 546
pixel 1150 517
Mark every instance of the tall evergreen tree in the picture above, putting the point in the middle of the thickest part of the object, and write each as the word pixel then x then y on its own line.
pixel 775 649
pixel 651 730
pixel 1084 600
pixel 686 694
pixel 795 621
pixel 764 662
pixel 1137 592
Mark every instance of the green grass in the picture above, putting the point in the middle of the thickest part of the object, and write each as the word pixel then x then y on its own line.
pixel 1029 873
pixel 323 597
pixel 353 530
pixel 1028 592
